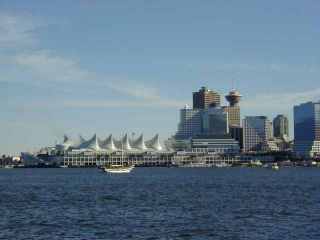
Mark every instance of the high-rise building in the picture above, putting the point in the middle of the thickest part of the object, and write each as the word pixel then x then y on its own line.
pixel 270 130
pixel 215 121
pixel 233 109
pixel 190 123
pixel 237 134
pixel 205 98
pixel 281 127
pixel 307 129
pixel 256 133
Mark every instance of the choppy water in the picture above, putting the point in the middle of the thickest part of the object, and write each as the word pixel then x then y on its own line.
pixel 160 203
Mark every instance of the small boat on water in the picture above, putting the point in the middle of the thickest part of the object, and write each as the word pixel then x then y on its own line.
pixel 275 166
pixel 118 168
pixel 8 166
pixel 255 163
pixel 222 165
pixel 314 163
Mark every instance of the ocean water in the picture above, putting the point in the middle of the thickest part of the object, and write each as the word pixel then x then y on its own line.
pixel 160 203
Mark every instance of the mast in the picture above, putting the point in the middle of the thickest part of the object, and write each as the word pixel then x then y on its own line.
pixel 121 150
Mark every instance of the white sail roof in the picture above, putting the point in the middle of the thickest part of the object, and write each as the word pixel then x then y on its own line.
pixel 108 143
pixel 67 142
pixel 125 143
pixel 139 143
pixel 92 144
pixel 78 142
pixel 154 143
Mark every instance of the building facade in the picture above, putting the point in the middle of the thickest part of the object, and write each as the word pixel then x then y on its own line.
pixel 233 109
pixel 205 98
pixel 281 127
pixel 256 133
pixel 220 144
pixel 237 134
pixel 307 129
pixel 215 121
pixel 190 123
pixel 233 115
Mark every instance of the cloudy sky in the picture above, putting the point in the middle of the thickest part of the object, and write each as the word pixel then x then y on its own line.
pixel 116 66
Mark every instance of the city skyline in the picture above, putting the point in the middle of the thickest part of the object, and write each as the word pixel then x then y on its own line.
pixel 77 68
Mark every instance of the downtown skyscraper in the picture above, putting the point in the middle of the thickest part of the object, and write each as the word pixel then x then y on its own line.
pixel 206 98
pixel 281 127
pixel 307 129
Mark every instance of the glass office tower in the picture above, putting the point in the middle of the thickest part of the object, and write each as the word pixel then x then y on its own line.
pixel 307 129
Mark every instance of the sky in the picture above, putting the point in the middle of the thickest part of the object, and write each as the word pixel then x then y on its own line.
pixel 116 66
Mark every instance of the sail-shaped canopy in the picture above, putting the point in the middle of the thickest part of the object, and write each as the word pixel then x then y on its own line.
pixel 92 144
pixel 154 143
pixel 67 142
pixel 125 144
pixel 139 143
pixel 109 144
pixel 78 142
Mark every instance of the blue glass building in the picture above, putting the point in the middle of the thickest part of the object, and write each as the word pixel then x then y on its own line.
pixel 307 129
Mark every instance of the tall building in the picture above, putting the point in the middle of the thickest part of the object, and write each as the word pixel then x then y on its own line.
pixel 307 129
pixel 281 127
pixel 233 109
pixel 205 98
pixel 190 123
pixel 237 134
pixel 256 133
pixel 215 121
pixel 270 130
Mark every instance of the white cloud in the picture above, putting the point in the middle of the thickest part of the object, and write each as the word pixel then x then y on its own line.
pixel 280 101
pixel 131 104
pixel 259 67
pixel 84 103
pixel 51 67
pixel 135 89
pixel 16 30
pixel 47 66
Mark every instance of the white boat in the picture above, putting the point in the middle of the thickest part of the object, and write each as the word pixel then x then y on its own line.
pixel 8 166
pixel 120 168
pixel 275 166
pixel 222 165
pixel 255 163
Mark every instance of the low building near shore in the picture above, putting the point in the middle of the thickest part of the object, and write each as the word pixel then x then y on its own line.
pixel 220 144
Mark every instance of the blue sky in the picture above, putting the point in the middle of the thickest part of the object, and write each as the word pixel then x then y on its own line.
pixel 86 66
